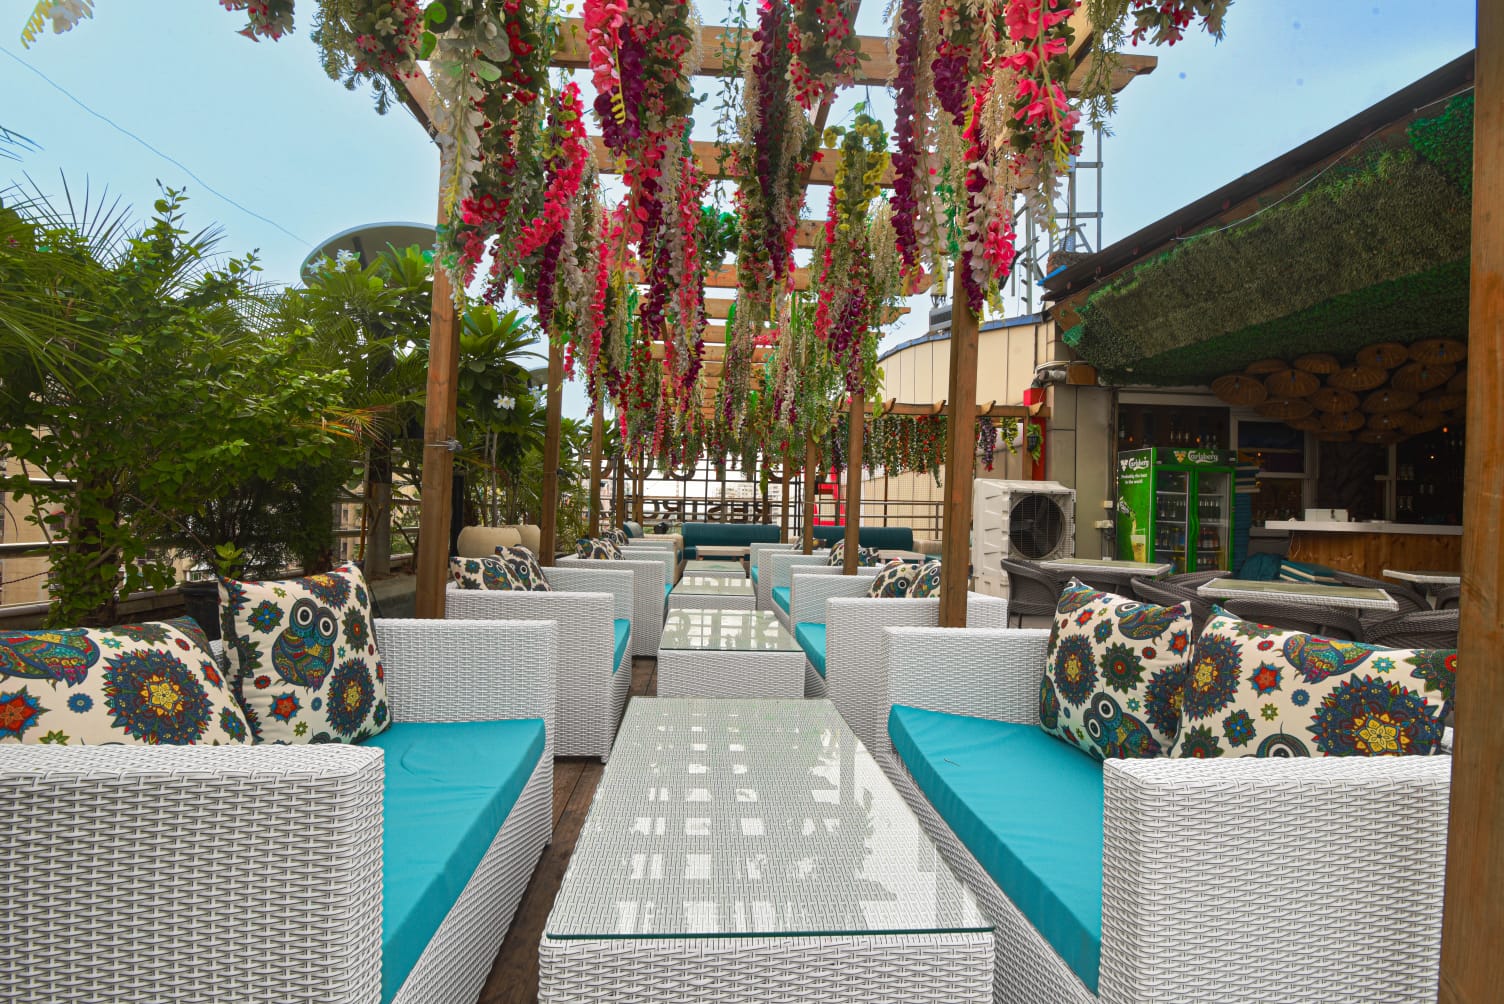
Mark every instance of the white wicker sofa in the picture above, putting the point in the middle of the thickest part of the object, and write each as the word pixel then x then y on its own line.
pixel 840 629
pixel 775 577
pixel 652 577
pixel 593 607
pixel 1241 880
pixel 262 873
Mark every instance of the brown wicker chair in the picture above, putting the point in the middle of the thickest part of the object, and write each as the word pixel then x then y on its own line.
pixel 1448 597
pixel 1324 621
pixel 1032 591
pixel 1421 629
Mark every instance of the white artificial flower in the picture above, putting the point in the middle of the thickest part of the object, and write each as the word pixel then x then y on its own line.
pixel 505 402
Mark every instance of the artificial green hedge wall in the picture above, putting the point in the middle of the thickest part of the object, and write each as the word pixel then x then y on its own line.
pixel 1306 274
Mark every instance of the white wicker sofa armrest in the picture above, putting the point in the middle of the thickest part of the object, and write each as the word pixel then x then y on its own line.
pixel 811 588
pixel 599 579
pixel 983 672
pixel 650 577
pixel 147 878
pixel 470 671
pixel 857 652
pixel 1273 879
pixel 774 569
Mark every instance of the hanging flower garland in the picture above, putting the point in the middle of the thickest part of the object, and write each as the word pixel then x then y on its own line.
pixel 826 51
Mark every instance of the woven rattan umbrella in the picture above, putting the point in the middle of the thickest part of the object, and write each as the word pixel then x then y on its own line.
pixel 1458 383
pixel 1264 367
pixel 1386 421
pixel 1311 423
pixel 1383 355
pixel 1342 421
pixel 1416 424
pixel 1292 383
pixel 1335 399
pixel 1239 390
pixel 1358 378
pixel 1380 437
pixel 1285 408
pixel 1436 404
pixel 1319 363
pixel 1389 399
pixel 1439 350
pixel 1421 377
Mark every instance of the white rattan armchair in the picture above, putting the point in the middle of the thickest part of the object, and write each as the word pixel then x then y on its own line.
pixel 669 544
pixel 1242 880
pixel 254 873
pixel 775 569
pixel 652 571
pixel 592 693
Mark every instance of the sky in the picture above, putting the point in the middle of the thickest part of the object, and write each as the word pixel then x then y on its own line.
pixel 282 157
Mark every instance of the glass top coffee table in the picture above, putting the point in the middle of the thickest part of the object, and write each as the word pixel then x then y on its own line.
pixel 752 850
pixel 707 592
pixel 728 653
pixel 724 569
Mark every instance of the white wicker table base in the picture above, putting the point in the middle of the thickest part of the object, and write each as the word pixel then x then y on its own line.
pixel 892 969
pixel 710 673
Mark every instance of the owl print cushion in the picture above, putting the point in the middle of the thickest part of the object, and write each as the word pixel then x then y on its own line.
pixel 1114 673
pixel 1265 692
pixel 894 580
pixel 303 655
pixel 155 684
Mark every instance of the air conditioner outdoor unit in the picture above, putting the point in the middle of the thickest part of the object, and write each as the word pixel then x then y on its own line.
pixel 1033 520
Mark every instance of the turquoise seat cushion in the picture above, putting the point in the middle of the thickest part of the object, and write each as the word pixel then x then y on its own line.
pixel 781 597
pixel 448 789
pixel 623 633
pixel 1029 808
pixel 811 638
pixel 727 534
pixel 754 576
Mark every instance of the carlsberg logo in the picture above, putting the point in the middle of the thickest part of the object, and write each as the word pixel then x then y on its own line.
pixel 1203 457
pixel 1135 464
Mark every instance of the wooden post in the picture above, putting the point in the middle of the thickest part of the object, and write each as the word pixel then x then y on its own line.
pixel 438 460
pixel 619 491
pixel 960 458
pixel 1472 967
pixel 783 518
pixel 811 464
pixel 853 484
pixel 549 519
pixel 639 477
pixel 597 436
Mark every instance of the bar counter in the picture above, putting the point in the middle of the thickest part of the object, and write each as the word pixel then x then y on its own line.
pixel 1368 548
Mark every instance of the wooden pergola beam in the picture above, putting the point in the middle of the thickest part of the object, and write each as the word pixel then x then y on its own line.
pixel 708 160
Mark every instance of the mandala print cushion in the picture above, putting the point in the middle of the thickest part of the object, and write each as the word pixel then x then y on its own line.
pixel 1261 691
pixel 894 580
pixel 524 569
pixel 866 557
pixel 155 684
pixel 597 547
pixel 482 573
pixel 926 581
pixel 1113 673
pixel 304 656
pixel 616 535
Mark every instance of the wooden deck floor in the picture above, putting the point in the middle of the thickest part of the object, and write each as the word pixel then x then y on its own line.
pixel 514 977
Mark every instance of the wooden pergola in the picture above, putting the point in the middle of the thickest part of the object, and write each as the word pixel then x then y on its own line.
pixel 1472 969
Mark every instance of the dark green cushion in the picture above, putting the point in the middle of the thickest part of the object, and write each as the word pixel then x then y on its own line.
pixel 811 638
pixel 448 789
pixel 888 538
pixel 1029 808
pixel 781 597
pixel 623 633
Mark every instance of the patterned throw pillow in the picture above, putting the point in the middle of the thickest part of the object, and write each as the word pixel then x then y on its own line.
pixel 303 655
pixel 926 581
pixel 866 557
pixel 482 573
pixel 597 547
pixel 524 569
pixel 615 535
pixel 1262 691
pixel 894 580
pixel 155 684
pixel 1113 673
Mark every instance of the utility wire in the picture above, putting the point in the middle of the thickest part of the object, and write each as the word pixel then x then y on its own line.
pixel 170 159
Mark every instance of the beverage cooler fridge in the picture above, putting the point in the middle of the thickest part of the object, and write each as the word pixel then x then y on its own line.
pixel 1175 506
